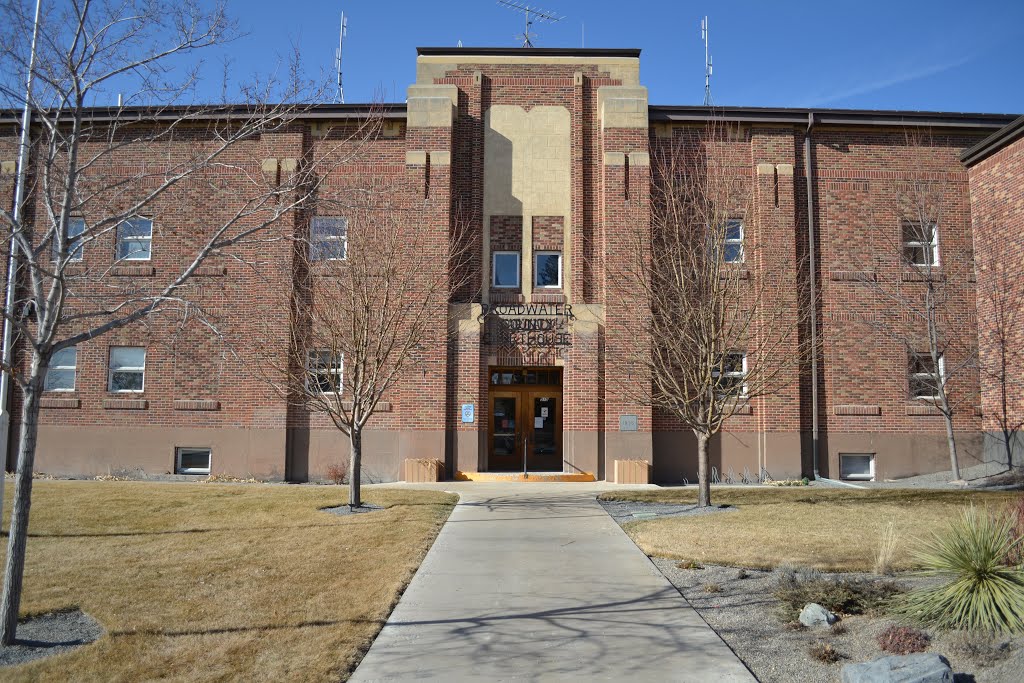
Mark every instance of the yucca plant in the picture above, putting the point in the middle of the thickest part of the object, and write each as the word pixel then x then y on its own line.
pixel 983 590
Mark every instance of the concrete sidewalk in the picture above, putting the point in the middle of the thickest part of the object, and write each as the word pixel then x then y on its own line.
pixel 536 582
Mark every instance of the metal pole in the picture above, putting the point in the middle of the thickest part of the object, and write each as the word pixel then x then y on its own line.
pixel 12 265
pixel 815 447
pixel 525 440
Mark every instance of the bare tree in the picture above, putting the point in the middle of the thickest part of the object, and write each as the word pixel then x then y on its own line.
pixel 723 326
pixel 921 299
pixel 106 184
pixel 373 282
pixel 1001 319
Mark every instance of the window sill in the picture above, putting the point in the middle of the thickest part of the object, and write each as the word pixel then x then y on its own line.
pixel 739 273
pixel 125 404
pixel 59 402
pixel 548 297
pixel 210 271
pixel 382 406
pixel 134 271
pixel 924 409
pixel 741 408
pixel 862 410
pixel 196 404
pixel 854 276
pixel 923 275
pixel 506 296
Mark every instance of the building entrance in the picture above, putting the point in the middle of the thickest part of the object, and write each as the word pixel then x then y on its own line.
pixel 525 421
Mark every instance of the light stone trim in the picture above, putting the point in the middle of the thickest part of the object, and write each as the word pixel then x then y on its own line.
pixel 440 158
pixel 269 166
pixel 8 167
pixel 784 169
pixel 623 106
pixel 614 158
pixel 431 106
pixel 415 158
pixel 430 67
pixel 289 165
pixel 431 91
pixel 766 169
pixel 639 159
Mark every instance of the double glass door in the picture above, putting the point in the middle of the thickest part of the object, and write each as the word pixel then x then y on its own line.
pixel 525 431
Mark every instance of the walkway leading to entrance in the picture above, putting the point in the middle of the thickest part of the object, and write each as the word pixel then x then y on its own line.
pixel 536 582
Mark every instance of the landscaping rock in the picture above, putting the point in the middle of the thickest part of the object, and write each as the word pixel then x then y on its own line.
pixel 924 667
pixel 814 615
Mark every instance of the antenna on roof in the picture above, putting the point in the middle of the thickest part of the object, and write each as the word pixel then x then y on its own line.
pixel 532 14
pixel 342 32
pixel 707 63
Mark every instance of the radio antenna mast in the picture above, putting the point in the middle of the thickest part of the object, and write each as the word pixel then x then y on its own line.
pixel 532 14
pixel 342 32
pixel 707 63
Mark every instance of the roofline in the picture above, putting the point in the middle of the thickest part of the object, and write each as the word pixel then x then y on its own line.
pixel 999 140
pixel 836 117
pixel 528 52
pixel 388 110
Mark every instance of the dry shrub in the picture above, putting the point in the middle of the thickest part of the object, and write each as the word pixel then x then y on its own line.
pixel 689 564
pixel 742 574
pixel 825 653
pixel 843 595
pixel 337 474
pixel 887 547
pixel 795 626
pixel 983 648
pixel 712 588
pixel 903 640
pixel 838 629
pixel 1016 514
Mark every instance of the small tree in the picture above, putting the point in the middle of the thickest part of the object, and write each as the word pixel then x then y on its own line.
pixel 373 281
pixel 920 300
pixel 723 326
pixel 100 179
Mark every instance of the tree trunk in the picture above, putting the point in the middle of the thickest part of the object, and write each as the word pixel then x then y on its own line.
pixel 703 480
pixel 954 461
pixel 14 569
pixel 354 464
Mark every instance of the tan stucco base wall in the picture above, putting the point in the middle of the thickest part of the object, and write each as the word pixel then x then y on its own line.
pixel 903 455
pixel 675 455
pixel 311 452
pixel 136 451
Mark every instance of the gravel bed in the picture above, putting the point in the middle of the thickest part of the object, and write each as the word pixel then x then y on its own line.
pixel 623 511
pixel 746 615
pixel 976 476
pixel 346 510
pixel 50 634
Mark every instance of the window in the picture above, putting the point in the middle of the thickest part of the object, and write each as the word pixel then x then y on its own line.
pixel 857 466
pixel 547 269
pixel 505 269
pixel 328 239
pixel 924 381
pixel 324 371
pixel 76 226
pixel 731 375
pixel 732 248
pixel 60 375
pixel 127 368
pixel 135 240
pixel 191 460
pixel 921 243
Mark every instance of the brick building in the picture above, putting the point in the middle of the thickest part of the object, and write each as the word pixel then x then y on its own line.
pixel 548 152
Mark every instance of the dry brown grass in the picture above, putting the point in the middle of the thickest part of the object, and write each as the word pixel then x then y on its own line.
pixel 828 529
pixel 214 581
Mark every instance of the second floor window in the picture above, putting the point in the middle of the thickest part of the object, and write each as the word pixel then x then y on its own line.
pixel 76 226
pixel 731 375
pixel 328 238
pixel 547 269
pixel 324 371
pixel 127 369
pixel 923 377
pixel 60 374
pixel 135 240
pixel 505 270
pixel 920 243
pixel 732 247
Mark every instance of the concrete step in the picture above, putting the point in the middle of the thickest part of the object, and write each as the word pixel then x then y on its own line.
pixel 530 477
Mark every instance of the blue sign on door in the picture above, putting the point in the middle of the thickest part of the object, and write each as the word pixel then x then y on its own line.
pixel 467 412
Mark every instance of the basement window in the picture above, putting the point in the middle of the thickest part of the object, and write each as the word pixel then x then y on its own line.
pixel 191 460
pixel 857 466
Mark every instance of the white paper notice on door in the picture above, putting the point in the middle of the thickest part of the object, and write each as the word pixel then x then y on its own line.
pixel 538 423
pixel 543 412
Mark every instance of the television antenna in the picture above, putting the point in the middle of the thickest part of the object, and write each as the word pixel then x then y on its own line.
pixel 707 63
pixel 532 14
pixel 342 32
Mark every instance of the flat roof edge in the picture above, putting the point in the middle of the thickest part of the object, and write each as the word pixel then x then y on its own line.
pixel 996 142
pixel 527 52
pixel 669 113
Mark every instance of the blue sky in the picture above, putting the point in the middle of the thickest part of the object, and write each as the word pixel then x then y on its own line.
pixel 940 55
